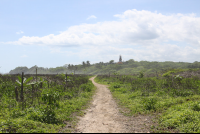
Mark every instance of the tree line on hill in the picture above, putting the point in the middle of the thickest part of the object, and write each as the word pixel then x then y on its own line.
pixel 128 67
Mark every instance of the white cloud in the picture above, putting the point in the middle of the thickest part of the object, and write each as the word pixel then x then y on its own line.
pixel 150 31
pixel 133 28
pixel 20 32
pixel 91 17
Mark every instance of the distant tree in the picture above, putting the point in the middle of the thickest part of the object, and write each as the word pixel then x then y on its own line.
pixel 131 60
pixel 69 67
pixel 83 63
pixel 99 66
pixel 66 65
pixel 111 61
pixel 72 67
pixel 117 67
pixel 195 64
pixel 19 70
pixel 57 69
pixel 101 63
pixel 88 63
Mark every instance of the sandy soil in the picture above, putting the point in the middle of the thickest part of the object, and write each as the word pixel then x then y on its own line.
pixel 103 116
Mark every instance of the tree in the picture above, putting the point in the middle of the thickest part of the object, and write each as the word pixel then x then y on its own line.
pixel 83 63
pixel 111 61
pixel 72 67
pixel 99 66
pixel 117 67
pixel 75 67
pixel 69 66
pixel 131 60
pixel 88 63
pixel 65 65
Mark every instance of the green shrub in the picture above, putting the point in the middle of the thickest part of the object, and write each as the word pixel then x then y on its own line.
pixel 149 103
pixel 196 106
pixel 168 74
pixel 141 75
pixel 16 113
pixel 116 86
pixel 86 87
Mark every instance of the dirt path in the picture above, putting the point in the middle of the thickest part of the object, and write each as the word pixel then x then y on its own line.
pixel 103 116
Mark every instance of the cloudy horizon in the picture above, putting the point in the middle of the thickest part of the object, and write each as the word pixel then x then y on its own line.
pixel 135 30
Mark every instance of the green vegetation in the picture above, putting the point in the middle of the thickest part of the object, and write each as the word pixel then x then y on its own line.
pixel 44 106
pixel 169 88
pixel 128 67
pixel 175 94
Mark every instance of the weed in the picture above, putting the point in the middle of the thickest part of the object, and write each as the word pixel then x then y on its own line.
pixel 149 103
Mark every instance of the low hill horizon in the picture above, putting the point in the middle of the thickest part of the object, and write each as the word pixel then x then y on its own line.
pixel 126 67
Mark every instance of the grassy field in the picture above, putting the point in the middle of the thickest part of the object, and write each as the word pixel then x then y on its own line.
pixel 174 98
pixel 47 108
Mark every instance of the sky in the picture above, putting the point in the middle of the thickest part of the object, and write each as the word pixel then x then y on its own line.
pixel 52 33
